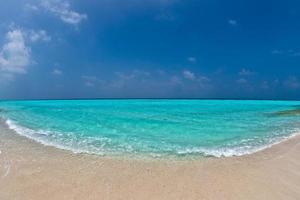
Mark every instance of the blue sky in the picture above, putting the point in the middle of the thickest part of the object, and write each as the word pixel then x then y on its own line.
pixel 150 48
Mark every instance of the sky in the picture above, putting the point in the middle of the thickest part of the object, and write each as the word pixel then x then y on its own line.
pixel 60 49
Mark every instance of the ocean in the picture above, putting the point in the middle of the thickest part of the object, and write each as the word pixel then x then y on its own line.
pixel 155 127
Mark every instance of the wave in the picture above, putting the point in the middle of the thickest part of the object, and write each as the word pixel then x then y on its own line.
pixel 41 136
pixel 37 134
pixel 235 151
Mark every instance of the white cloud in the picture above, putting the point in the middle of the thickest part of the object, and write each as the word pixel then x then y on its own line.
pixel 40 35
pixel 192 59
pixel 15 55
pixel 290 52
pixel 200 80
pixel 188 75
pixel 232 22
pixel 62 9
pixel 203 79
pixel 31 7
pixel 57 72
pixel 91 81
pixel 119 81
pixel 135 82
pixel 245 72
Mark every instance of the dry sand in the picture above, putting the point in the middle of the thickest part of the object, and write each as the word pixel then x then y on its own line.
pixel 29 170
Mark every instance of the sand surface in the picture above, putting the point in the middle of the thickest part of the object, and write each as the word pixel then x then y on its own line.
pixel 29 170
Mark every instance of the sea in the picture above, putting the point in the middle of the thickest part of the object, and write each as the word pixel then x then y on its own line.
pixel 154 127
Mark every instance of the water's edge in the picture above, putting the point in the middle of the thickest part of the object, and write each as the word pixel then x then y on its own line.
pixel 23 131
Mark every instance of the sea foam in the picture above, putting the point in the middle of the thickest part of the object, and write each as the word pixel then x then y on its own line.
pixel 35 135
pixel 218 152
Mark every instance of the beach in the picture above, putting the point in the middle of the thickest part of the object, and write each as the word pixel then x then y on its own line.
pixel 149 100
pixel 29 170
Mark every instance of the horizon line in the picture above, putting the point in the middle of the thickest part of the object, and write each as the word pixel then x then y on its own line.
pixel 142 98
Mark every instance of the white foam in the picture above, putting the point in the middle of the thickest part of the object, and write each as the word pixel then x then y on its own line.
pixel 41 137
pixel 31 134
pixel 235 151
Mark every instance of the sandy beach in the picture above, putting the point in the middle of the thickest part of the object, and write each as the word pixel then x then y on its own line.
pixel 29 170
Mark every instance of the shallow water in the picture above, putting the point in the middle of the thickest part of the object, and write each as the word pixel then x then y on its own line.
pixel 154 127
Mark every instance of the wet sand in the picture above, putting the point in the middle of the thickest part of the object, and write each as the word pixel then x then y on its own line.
pixel 29 170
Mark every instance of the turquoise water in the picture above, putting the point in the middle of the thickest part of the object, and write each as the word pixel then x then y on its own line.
pixel 154 127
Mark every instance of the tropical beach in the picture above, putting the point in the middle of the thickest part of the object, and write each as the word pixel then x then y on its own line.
pixel 149 149
pixel 33 171
pixel 149 99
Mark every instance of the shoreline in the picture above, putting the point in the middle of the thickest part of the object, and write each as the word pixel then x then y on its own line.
pixel 15 128
pixel 29 170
